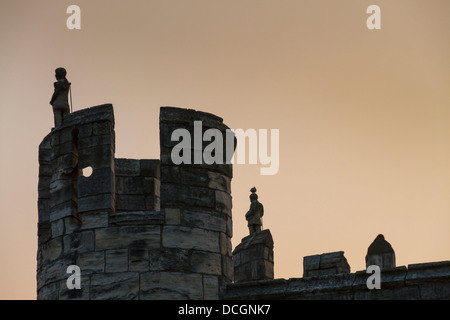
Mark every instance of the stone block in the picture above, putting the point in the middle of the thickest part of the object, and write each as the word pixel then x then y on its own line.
pixel 171 174
pixel 116 260
pixel 101 181
pixel 219 181
pixel 66 209
pixel 171 286
pixel 169 259
pixel 127 237
pixel 71 224
pixel 208 220
pixel 173 216
pixel 79 242
pixel 152 203
pixel 206 262
pixel 190 238
pixel 94 220
pixel 311 263
pixel 49 292
pixel 100 156
pixel 210 287
pixel 98 202
pixel 185 196
pixel 58 228
pixel 193 176
pixel 150 168
pixel 74 294
pixel 136 218
pixel 138 260
pixel 102 128
pixel 127 202
pixel 130 185
pixel 115 286
pixel 152 186
pixel 43 210
pixel 52 250
pixel 127 167
pixel 223 202
pixel 61 191
pixel 91 262
pixel 44 232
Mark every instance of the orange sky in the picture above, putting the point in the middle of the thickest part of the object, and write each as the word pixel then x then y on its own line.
pixel 363 115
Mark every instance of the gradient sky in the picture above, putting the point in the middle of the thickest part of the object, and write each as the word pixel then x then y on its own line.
pixel 363 115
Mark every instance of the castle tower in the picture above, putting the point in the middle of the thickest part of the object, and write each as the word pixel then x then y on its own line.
pixel 137 229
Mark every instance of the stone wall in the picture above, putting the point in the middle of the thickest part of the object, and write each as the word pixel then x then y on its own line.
pixel 416 282
pixel 138 229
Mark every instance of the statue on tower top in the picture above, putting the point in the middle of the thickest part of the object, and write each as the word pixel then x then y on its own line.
pixel 59 100
pixel 255 213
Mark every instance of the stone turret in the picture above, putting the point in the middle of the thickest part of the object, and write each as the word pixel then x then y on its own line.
pixel 380 253
pixel 138 229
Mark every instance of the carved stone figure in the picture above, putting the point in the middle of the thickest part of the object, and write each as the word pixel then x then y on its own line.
pixel 255 213
pixel 59 99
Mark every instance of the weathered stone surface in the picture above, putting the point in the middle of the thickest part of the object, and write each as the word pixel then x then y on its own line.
pixel 169 259
pixel 380 253
pixel 96 140
pixel 210 287
pixel 127 202
pixel 127 237
pixel 219 182
pixel 150 168
pixel 74 294
pixel 325 264
pixel 152 186
pixel 208 220
pixel 223 202
pixel 71 224
pixel 44 232
pixel 171 285
pixel 66 209
pixel 177 196
pixel 52 249
pixel 138 260
pixel 418 273
pixel 173 216
pixel 58 228
pixel 130 185
pixel 190 238
pixel 43 210
pixel 101 128
pixel 206 262
pixel 115 286
pixel 116 260
pixel 98 202
pixel 99 182
pixel 91 262
pixel 127 167
pixel 137 218
pixel 101 156
pixel 79 242
pixel 49 292
pixel 94 220
pixel 94 114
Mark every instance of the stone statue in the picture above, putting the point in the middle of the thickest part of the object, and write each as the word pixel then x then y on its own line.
pixel 59 99
pixel 255 213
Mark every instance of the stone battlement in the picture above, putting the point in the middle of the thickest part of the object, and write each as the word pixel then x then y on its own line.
pixel 151 229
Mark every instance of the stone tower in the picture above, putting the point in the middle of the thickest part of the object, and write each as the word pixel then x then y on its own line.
pixel 137 229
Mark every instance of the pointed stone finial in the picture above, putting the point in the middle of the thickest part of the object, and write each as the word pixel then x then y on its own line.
pixel 380 253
